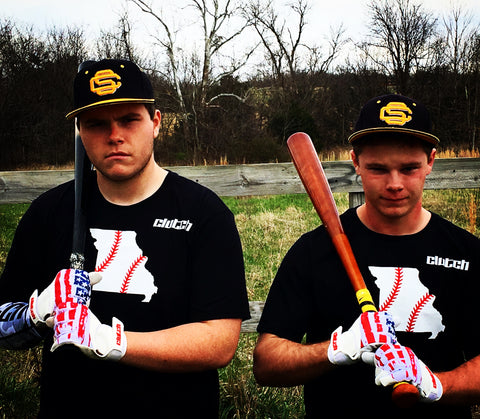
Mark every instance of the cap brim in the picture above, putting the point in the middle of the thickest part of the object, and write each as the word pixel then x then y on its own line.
pixel 419 134
pixel 75 112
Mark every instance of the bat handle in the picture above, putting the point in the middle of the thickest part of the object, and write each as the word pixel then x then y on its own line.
pixel 405 395
pixel 365 300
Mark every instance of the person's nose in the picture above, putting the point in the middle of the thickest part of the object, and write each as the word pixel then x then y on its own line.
pixel 394 182
pixel 116 135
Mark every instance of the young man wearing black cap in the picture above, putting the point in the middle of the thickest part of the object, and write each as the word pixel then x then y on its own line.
pixel 168 308
pixel 422 271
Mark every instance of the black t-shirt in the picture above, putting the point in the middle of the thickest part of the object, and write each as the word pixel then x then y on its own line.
pixel 428 281
pixel 171 259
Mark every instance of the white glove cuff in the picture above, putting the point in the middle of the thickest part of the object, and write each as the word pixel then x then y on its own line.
pixel 342 349
pixel 108 342
pixel 117 346
pixel 431 389
pixel 33 310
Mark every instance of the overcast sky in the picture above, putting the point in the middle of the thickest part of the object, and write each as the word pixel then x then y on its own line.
pixel 94 15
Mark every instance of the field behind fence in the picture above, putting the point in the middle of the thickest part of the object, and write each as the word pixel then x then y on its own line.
pixel 269 223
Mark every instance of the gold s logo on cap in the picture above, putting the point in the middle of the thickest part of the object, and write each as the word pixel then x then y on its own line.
pixel 396 113
pixel 104 82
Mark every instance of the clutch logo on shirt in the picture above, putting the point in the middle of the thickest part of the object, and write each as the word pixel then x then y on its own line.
pixel 173 224
pixel 122 264
pixel 461 265
pixel 407 300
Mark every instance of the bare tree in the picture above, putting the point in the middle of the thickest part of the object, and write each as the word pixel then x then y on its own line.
pixel 117 43
pixel 460 49
pixel 400 33
pixel 200 70
pixel 282 39
pixel 316 60
pixel 167 41
pixel 459 33
pixel 281 42
pixel 36 76
pixel 472 89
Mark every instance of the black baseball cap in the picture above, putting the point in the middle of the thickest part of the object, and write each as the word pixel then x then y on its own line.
pixel 394 113
pixel 107 82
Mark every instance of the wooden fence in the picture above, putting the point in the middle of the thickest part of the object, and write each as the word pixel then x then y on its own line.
pixel 252 179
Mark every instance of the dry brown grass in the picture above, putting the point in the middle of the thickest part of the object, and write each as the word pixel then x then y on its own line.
pixel 452 153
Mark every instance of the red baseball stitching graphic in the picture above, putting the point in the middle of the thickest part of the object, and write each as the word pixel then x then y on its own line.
pixel 412 319
pixel 397 283
pixel 129 274
pixel 113 252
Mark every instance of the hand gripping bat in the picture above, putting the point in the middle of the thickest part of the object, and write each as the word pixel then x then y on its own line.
pixel 310 170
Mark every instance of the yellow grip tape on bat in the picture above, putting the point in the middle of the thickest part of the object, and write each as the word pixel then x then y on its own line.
pixel 365 300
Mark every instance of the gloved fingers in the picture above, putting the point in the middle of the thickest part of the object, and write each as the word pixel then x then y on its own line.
pixel 395 363
pixel 377 328
pixel 368 357
pixel 78 326
pixel 95 277
pixel 50 322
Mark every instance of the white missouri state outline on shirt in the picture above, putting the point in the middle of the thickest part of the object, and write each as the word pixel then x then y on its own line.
pixel 122 264
pixel 404 296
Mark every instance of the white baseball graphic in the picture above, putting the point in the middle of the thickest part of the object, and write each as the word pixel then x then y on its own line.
pixel 408 300
pixel 122 264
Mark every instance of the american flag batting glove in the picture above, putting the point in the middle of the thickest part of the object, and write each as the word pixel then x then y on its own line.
pixel 72 291
pixel 77 325
pixel 397 363
pixel 76 283
pixel 370 331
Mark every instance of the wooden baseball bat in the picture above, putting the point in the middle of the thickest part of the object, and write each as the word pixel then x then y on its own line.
pixel 310 170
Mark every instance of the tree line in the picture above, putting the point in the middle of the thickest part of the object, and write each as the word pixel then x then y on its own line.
pixel 217 106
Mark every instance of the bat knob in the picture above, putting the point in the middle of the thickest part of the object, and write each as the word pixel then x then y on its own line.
pixel 405 395
pixel 77 261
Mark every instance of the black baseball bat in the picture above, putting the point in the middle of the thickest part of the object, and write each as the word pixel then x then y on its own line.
pixel 82 169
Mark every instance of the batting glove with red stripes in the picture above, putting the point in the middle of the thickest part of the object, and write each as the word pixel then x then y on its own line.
pixel 77 325
pixel 396 363
pixel 76 283
pixel 370 331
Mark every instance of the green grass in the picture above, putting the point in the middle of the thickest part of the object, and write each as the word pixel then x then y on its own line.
pixel 19 383
pixel 268 226
pixel 9 217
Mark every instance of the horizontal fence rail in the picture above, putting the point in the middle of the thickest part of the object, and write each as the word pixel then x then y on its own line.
pixel 249 180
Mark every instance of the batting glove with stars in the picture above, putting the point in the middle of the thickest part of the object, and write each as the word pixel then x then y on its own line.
pixel 370 331
pixel 396 363
pixel 76 283
pixel 74 323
